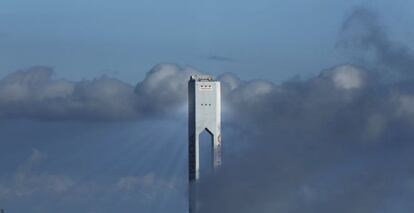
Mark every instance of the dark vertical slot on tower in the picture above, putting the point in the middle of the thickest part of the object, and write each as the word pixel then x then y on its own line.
pixel 206 153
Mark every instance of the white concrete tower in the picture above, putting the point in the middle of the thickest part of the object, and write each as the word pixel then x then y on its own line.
pixel 204 108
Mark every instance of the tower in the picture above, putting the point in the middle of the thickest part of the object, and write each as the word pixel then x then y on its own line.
pixel 204 108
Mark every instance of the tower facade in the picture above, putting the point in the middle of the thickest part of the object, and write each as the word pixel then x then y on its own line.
pixel 204 108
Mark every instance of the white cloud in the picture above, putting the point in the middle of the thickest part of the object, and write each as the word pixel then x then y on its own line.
pixel 347 77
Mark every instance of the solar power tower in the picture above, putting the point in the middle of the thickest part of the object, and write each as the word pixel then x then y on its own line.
pixel 204 108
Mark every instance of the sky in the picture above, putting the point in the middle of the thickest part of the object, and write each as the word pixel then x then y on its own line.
pixel 317 105
pixel 257 40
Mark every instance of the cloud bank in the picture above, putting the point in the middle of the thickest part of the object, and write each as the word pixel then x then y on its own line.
pixel 336 142
pixel 34 94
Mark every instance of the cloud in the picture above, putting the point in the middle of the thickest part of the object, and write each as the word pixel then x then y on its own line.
pixel 28 181
pixel 310 145
pixel 128 183
pixel 34 94
pixel 147 187
pixel 347 77
pixel 314 145
pixel 164 88
pixel 317 145
pixel 368 42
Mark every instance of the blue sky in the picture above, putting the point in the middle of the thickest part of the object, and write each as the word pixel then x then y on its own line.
pixel 317 104
pixel 267 39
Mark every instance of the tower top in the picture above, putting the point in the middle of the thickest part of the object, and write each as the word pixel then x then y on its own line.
pixel 201 78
